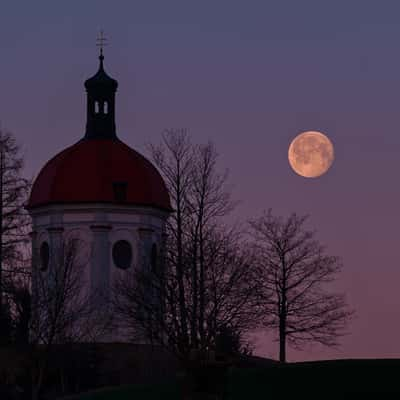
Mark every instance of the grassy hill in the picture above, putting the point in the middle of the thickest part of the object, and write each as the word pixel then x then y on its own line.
pixel 165 391
pixel 318 377
pixel 322 377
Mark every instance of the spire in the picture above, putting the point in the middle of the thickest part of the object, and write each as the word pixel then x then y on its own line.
pixel 101 42
pixel 101 90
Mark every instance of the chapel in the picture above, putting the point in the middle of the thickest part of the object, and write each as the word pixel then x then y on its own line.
pixel 103 193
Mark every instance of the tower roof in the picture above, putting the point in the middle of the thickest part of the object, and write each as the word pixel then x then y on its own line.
pixel 99 171
pixel 100 168
pixel 101 81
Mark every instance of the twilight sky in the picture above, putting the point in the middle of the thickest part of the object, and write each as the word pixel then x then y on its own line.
pixel 249 75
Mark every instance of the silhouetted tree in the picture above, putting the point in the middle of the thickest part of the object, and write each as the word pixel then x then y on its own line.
pixel 295 271
pixel 21 298
pixel 63 310
pixel 6 324
pixel 14 221
pixel 206 276
pixel 230 342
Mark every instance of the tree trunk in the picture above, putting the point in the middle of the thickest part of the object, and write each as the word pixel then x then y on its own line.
pixel 193 326
pixel 282 340
pixel 181 287
pixel 282 323
pixel 37 383
pixel 202 291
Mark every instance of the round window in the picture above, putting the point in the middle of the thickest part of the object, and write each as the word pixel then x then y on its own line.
pixel 153 259
pixel 44 256
pixel 122 254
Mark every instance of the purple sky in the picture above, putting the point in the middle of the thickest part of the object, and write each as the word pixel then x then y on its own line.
pixel 249 75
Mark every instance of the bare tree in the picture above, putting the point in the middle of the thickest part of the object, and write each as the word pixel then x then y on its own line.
pixel 21 300
pixel 63 309
pixel 17 297
pixel 205 278
pixel 295 272
pixel 147 302
pixel 62 303
pixel 14 221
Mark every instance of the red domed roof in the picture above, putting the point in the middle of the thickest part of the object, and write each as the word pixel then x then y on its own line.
pixel 93 171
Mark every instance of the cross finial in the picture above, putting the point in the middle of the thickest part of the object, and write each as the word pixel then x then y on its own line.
pixel 101 41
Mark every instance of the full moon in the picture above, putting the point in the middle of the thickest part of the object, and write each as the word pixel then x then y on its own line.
pixel 311 154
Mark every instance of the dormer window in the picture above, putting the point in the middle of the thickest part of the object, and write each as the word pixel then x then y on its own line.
pixel 120 190
pixel 105 107
pixel 96 107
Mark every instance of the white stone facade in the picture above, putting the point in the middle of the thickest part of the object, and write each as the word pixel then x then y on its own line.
pixel 99 227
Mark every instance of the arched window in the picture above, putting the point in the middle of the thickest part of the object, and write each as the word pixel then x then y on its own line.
pixel 153 258
pixel 105 107
pixel 44 256
pixel 122 254
pixel 96 107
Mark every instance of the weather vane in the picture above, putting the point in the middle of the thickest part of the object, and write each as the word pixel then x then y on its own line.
pixel 101 41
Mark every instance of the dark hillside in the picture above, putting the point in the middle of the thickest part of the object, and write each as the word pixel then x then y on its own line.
pixel 318 377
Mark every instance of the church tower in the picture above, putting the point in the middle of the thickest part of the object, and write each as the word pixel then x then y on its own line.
pixel 100 121
pixel 103 193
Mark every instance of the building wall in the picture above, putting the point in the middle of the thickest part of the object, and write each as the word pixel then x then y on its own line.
pixel 98 228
